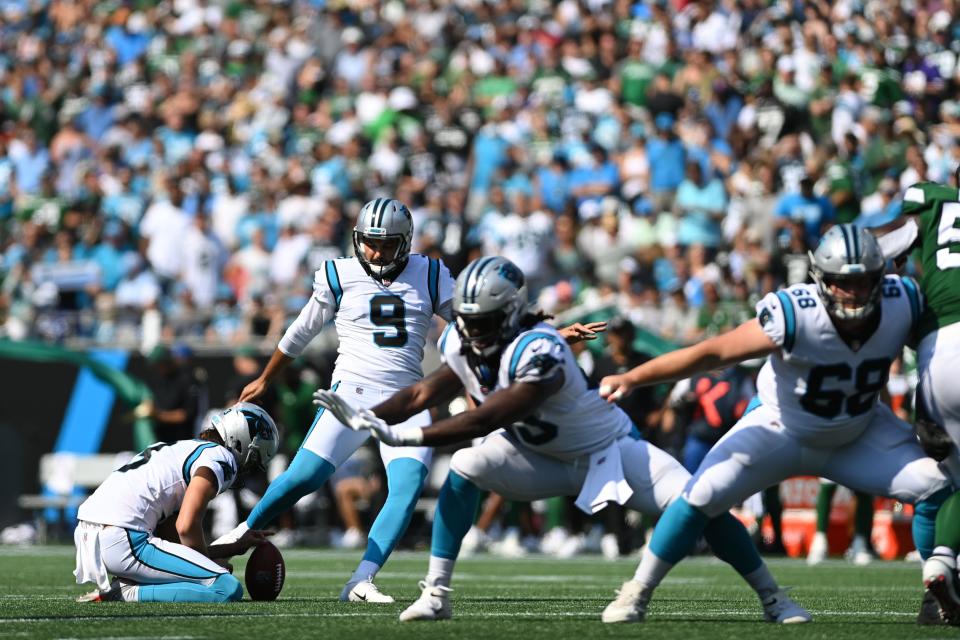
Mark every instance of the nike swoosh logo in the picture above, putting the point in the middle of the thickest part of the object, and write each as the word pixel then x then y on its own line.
pixel 364 598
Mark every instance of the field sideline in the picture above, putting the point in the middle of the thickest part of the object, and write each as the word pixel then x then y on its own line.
pixel 494 598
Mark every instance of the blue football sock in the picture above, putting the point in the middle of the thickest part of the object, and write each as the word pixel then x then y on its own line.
pixel 456 508
pixel 306 474
pixel 924 523
pixel 405 478
pixel 226 588
pixel 677 532
pixel 730 542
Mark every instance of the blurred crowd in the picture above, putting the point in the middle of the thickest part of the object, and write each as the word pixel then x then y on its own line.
pixel 177 170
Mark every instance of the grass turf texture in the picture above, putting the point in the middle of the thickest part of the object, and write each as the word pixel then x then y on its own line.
pixel 494 598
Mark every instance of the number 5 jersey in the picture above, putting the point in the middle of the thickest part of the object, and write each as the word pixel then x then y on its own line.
pixel 151 487
pixel 572 422
pixel 824 388
pixel 382 327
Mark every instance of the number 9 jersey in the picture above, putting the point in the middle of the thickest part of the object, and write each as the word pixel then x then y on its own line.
pixel 824 389
pixel 382 327
pixel 573 421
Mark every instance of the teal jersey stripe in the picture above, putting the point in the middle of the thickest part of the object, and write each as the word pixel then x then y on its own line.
pixel 192 458
pixel 790 319
pixel 159 559
pixel 443 337
pixel 433 282
pixel 753 404
pixel 523 344
pixel 914 295
pixel 333 280
pixel 316 418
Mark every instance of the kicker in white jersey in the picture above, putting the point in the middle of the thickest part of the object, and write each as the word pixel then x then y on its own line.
pixel 571 422
pixel 139 495
pixel 382 327
pixel 825 389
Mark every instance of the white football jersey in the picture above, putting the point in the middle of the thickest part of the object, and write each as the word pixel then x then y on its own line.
pixel 824 389
pixel 573 421
pixel 151 487
pixel 383 328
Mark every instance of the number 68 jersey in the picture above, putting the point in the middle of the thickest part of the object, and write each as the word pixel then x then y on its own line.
pixel 151 487
pixel 572 422
pixel 825 389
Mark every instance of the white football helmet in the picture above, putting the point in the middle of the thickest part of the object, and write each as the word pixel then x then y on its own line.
pixel 489 300
pixel 848 258
pixel 384 219
pixel 249 432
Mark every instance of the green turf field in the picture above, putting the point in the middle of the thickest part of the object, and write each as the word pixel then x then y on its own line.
pixel 494 598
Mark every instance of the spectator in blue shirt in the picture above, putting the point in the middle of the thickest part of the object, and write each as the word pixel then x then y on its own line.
pixel 667 158
pixel 553 184
pixel 701 204
pixel 596 178
pixel 814 211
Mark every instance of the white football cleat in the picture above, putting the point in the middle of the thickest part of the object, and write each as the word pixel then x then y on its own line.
pixel 111 594
pixel 510 546
pixel 630 605
pixel 609 546
pixel 364 591
pixel 352 538
pixel 780 608
pixel 553 540
pixel 859 552
pixel 818 548
pixel 475 540
pixel 433 604
pixel 940 580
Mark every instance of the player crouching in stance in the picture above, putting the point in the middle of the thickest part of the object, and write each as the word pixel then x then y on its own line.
pixel 116 532
pixel 817 414
pixel 563 439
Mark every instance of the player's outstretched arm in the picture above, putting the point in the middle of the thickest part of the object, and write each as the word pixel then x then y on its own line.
pixel 201 490
pixel 501 408
pixel 743 343
pixel 577 332
pixel 440 386
pixel 278 362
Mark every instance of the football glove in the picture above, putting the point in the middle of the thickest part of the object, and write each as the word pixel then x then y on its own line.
pixel 366 420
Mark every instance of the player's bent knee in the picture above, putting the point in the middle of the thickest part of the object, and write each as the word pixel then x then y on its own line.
pixel 228 587
pixel 701 496
pixel 467 464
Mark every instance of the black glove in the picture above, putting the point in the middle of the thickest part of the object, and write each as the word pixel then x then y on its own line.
pixel 933 438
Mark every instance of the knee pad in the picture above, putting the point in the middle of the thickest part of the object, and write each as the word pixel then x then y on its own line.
pixel 228 587
pixel 466 464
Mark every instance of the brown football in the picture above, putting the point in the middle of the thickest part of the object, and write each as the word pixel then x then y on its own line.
pixel 265 572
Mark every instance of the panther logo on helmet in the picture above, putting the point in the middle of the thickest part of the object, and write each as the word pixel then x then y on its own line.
pixel 489 300
pixel 249 432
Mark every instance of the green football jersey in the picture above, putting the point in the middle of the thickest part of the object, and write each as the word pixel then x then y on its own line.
pixel 937 208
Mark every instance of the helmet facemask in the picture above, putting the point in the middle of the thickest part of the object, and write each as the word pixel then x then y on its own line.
pixel 848 267
pixel 852 296
pixel 388 267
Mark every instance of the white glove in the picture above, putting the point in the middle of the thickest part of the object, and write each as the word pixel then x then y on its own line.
pixel 366 420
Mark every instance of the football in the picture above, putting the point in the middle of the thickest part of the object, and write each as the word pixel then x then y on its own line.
pixel 265 572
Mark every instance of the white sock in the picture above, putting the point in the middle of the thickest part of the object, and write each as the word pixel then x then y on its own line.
pixel 366 570
pixel 651 570
pixel 233 535
pixel 762 582
pixel 440 572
